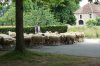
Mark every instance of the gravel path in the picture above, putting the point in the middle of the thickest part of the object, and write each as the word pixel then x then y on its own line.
pixel 90 47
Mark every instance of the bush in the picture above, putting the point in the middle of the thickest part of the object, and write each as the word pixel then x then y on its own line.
pixel 95 22
pixel 90 32
pixel 60 29
pixel 31 29
pixel 91 23
pixel 98 21
pixel 6 29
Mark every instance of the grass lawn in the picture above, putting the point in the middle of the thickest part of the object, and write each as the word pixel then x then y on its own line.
pixel 44 59
pixel 90 32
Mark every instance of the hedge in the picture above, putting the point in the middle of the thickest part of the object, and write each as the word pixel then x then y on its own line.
pixel 60 29
pixel 6 29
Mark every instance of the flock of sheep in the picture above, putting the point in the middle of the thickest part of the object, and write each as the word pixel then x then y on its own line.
pixel 47 38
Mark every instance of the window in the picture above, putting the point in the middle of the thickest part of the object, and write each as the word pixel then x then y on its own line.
pixel 80 16
pixel 90 15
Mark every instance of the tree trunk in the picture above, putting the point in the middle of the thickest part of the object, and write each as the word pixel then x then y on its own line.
pixel 19 26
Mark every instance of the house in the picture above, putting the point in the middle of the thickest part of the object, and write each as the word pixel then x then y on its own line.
pixel 88 11
pixel 2 1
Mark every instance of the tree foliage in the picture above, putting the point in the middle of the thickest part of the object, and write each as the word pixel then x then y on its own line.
pixel 38 12
pixel 46 12
pixel 98 21
pixel 95 22
pixel 9 17
pixel 64 11
pixel 41 16
pixel 91 23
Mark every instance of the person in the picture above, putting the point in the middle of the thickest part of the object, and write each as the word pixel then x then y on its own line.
pixel 37 28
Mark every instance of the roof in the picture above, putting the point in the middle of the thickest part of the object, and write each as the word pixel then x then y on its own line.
pixel 89 8
pixel 2 1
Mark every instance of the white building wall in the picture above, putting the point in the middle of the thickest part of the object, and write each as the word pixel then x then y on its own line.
pixel 2 1
pixel 85 18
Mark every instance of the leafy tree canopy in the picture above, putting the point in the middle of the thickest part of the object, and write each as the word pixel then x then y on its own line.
pixel 47 12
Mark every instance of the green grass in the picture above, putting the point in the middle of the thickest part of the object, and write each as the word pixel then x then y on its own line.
pixel 90 32
pixel 14 55
pixel 44 59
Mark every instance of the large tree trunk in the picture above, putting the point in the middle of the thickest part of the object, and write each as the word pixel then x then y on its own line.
pixel 19 26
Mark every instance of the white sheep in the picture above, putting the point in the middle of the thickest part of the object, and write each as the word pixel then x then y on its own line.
pixel 37 39
pixel 6 40
pixel 12 34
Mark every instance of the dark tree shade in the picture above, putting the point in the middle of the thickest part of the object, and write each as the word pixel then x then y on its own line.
pixel 19 26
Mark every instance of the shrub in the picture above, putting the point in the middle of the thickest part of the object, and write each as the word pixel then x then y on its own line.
pixel 6 29
pixel 90 32
pixel 91 23
pixel 98 21
pixel 60 29
pixel 31 29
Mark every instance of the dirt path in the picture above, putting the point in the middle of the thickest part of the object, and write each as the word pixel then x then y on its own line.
pixel 90 47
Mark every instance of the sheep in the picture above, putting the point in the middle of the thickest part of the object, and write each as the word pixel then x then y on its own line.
pixel 12 34
pixel 42 34
pixel 62 38
pixel 9 42
pixel 56 32
pixel 48 32
pixel 55 38
pixel 49 38
pixel 6 41
pixel 37 40
pixel 1 42
pixel 27 39
pixel 52 38
pixel 67 38
pixel 73 36
pixel 80 36
pixel 31 34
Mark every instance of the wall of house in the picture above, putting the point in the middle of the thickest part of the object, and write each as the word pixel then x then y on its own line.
pixel 2 1
pixel 85 18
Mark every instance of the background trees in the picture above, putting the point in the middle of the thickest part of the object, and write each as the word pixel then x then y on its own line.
pixel 46 12
pixel 93 22
pixel 64 11
pixel 36 13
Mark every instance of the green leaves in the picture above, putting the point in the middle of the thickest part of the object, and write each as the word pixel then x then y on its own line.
pixel 46 12
pixel 9 16
pixel 98 21
pixel 91 23
pixel 64 11
pixel 31 29
pixel 41 16
pixel 95 22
